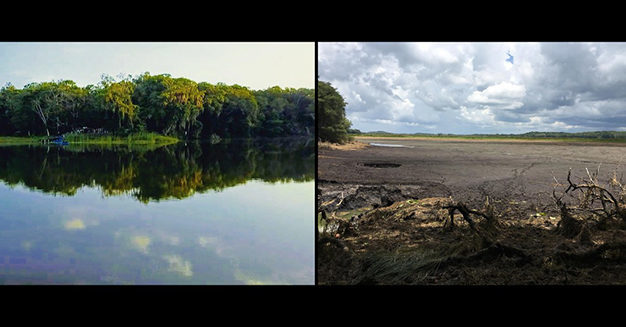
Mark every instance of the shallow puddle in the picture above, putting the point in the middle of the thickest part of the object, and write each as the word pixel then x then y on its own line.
pixel 390 145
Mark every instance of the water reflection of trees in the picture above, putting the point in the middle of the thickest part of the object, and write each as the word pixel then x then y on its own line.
pixel 175 171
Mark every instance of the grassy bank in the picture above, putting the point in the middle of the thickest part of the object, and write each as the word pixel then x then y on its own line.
pixel 136 138
pixel 16 140
pixel 131 139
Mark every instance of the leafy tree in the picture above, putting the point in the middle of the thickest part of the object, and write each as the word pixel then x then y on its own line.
pixel 239 113
pixel 8 96
pixel 41 99
pixel 285 111
pixel 118 99
pixel 332 124
pixel 303 110
pixel 213 102
pixel 71 105
pixel 272 104
pixel 54 104
pixel 184 102
pixel 147 96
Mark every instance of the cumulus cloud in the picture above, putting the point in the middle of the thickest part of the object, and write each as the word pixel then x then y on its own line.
pixel 473 88
pixel 504 95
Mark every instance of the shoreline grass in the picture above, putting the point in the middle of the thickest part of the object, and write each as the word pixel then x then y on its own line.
pixel 131 139
pixel 19 140
pixel 135 138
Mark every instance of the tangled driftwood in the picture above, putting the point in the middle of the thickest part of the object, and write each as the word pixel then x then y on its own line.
pixel 487 233
pixel 607 202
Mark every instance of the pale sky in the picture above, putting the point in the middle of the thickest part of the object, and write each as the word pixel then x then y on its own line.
pixel 255 65
pixel 479 87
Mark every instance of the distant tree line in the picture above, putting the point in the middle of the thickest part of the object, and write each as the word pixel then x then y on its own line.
pixel 617 135
pixel 590 135
pixel 162 104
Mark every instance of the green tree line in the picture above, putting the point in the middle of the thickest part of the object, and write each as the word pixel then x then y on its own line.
pixel 162 104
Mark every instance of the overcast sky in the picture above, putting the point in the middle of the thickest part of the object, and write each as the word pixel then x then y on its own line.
pixel 256 65
pixel 479 87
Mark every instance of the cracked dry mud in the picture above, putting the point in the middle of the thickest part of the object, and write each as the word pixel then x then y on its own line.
pixel 391 199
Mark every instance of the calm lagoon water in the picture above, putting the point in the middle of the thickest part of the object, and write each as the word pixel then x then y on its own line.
pixel 238 213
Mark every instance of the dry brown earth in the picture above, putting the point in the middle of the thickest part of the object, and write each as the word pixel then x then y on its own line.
pixel 392 199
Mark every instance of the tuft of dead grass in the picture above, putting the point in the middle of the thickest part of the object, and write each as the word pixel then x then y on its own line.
pixel 348 146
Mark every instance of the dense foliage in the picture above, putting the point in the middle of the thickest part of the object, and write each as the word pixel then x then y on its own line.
pixel 162 104
pixel 333 124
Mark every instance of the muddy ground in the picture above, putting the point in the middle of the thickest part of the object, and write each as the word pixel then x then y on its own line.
pixel 387 222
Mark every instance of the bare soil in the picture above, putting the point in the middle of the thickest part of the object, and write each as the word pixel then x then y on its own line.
pixel 388 223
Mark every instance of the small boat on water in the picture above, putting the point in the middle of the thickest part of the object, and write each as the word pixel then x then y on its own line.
pixel 58 140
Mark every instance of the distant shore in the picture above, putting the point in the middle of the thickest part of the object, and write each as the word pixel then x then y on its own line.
pixel 470 138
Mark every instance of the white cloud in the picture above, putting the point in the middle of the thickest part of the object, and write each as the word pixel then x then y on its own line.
pixel 577 86
pixel 505 90
pixel 481 116
pixel 433 53
pixel 504 95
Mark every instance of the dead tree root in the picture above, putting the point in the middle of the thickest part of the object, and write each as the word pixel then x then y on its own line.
pixel 487 232
pixel 608 252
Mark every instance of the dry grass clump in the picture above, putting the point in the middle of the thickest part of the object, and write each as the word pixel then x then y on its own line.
pixel 351 145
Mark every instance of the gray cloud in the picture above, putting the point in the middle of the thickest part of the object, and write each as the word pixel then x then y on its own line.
pixel 470 87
